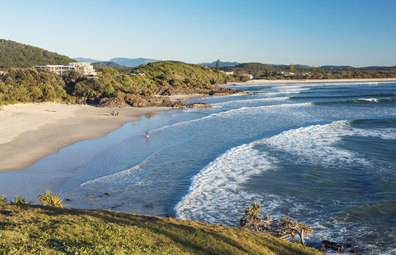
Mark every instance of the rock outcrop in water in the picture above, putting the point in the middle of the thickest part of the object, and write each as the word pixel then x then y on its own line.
pixel 130 100
pixel 199 105
pixel 136 101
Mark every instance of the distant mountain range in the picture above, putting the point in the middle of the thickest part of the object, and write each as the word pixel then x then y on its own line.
pixel 221 64
pixel 126 62
pixel 108 64
pixel 134 62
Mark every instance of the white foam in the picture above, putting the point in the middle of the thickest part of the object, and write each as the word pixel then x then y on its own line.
pixel 251 101
pixel 214 195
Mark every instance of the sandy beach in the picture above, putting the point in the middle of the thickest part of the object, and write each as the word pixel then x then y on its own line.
pixel 308 81
pixel 30 132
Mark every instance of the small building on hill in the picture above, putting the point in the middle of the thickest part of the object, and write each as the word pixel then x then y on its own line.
pixel 81 67
pixel 248 75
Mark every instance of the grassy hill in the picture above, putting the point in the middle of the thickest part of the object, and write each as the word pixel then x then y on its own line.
pixel 181 75
pixel 13 55
pixel 33 229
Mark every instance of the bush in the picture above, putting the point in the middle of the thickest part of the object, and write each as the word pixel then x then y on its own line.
pixel 3 200
pixel 283 228
pixel 50 199
pixel 21 201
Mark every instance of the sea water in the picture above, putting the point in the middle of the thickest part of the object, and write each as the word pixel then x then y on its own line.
pixel 322 154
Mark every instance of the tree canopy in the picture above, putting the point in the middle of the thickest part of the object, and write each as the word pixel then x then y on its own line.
pixel 30 85
pixel 17 55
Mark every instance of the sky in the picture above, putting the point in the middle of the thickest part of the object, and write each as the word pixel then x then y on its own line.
pixel 311 32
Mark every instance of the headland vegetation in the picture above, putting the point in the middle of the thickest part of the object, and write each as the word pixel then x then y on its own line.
pixel 36 229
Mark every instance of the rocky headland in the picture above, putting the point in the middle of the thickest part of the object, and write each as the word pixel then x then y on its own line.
pixel 162 98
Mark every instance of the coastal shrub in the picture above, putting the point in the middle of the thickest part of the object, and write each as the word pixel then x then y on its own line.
pixel 282 228
pixel 3 200
pixel 50 199
pixel 21 201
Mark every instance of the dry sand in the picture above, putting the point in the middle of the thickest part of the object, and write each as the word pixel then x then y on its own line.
pixel 30 132
pixel 307 81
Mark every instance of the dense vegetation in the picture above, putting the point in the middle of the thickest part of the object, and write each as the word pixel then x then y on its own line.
pixel 17 55
pixel 30 85
pixel 34 229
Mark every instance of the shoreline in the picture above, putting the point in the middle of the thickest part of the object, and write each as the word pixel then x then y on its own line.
pixel 30 132
pixel 252 82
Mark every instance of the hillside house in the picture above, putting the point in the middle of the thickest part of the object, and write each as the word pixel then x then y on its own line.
pixel 248 75
pixel 81 67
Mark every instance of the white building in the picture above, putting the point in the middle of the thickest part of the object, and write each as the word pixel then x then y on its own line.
pixel 81 67
pixel 248 75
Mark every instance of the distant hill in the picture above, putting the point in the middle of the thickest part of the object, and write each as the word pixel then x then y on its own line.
pixel 245 67
pixel 13 54
pixel 382 68
pixel 88 60
pixel 108 64
pixel 337 67
pixel 133 62
pixel 221 64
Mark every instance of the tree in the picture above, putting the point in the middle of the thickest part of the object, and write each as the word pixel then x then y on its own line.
pixel 217 65
pixel 292 68
pixel 267 72
pixel 283 228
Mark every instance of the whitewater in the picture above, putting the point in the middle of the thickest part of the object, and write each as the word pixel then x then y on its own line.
pixel 321 153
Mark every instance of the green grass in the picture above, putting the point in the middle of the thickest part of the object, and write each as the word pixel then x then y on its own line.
pixel 33 229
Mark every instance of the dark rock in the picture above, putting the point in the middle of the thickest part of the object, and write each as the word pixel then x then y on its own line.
pixel 82 101
pixel 199 105
pixel 333 245
pixel 352 251
pixel 138 101
pixel 113 102
pixel 107 194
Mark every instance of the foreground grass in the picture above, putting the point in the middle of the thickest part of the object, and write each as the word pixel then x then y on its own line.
pixel 33 229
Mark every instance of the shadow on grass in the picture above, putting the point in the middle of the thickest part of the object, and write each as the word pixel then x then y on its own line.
pixel 193 236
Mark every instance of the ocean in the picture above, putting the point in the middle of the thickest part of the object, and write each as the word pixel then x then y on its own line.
pixel 321 153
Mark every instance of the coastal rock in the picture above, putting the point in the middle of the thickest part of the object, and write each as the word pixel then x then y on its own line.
pixel 82 101
pixel 199 105
pixel 113 102
pixel 333 246
pixel 136 101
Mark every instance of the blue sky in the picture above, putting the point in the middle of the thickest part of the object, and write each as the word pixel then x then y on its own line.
pixel 316 32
